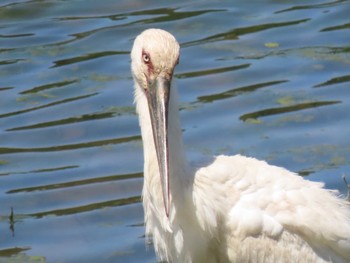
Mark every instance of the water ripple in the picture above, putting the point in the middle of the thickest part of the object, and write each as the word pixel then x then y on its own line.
pixel 339 27
pixel 235 33
pixel 49 86
pixel 334 81
pixel 45 170
pixel 9 150
pixel 86 57
pixel 312 6
pixel 47 105
pixel 88 208
pixel 273 111
pixel 210 71
pixel 237 91
pixel 103 179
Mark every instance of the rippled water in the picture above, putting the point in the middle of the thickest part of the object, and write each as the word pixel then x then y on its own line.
pixel 269 79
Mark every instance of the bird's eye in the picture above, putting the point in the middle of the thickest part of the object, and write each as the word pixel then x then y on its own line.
pixel 146 58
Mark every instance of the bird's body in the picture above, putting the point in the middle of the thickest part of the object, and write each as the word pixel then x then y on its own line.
pixel 235 209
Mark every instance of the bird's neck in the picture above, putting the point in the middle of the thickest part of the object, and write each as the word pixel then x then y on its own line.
pixel 178 166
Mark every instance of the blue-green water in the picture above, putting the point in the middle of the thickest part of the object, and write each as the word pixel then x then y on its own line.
pixel 268 79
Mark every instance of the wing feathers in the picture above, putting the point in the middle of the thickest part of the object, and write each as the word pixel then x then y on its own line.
pixel 266 201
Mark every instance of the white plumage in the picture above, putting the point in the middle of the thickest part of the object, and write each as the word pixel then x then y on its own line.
pixel 236 209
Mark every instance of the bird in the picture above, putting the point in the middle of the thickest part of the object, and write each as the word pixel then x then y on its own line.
pixel 234 208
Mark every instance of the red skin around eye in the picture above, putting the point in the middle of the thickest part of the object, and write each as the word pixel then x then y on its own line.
pixel 149 63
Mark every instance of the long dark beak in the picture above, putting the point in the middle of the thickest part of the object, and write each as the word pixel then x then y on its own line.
pixel 158 100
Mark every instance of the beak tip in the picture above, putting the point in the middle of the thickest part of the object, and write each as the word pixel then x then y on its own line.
pixel 167 208
pixel 166 198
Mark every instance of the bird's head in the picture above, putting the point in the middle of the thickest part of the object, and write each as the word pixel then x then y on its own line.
pixel 154 55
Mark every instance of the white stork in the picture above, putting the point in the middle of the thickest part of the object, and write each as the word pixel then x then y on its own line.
pixel 236 209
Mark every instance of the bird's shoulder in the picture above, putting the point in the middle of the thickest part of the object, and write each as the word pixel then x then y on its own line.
pixel 246 174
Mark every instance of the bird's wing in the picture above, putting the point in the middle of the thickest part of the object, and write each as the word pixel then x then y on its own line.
pixel 265 200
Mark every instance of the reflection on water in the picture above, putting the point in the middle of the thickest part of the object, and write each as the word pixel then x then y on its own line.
pixel 264 78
